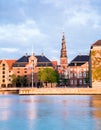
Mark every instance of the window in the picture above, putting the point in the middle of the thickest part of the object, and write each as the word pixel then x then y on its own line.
pixel 80 81
pixel 9 79
pixel 75 82
pixel 75 74
pixel 3 68
pixel 3 80
pixel 71 75
pixel 84 81
pixel 3 72
pixel 25 72
pixel 3 64
pixel 84 74
pixel 71 82
pixel 3 76
pixel 80 74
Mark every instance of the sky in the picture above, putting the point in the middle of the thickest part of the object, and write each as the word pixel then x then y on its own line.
pixel 41 23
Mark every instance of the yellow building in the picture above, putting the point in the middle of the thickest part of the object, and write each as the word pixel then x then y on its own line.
pixel 95 64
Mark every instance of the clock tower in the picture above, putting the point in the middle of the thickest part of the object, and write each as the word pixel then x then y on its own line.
pixel 63 56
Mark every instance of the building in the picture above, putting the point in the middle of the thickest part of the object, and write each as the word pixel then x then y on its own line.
pixel 62 68
pixel 6 72
pixel 78 71
pixel 28 67
pixel 95 64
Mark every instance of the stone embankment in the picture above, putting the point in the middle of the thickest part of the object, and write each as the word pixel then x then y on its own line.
pixel 51 91
pixel 60 91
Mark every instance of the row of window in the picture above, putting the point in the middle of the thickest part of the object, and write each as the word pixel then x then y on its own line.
pixel 19 72
pixel 4 80
pixel 80 82
pixel 79 75
pixel 78 69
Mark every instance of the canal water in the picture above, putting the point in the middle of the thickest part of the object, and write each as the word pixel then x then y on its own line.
pixel 66 112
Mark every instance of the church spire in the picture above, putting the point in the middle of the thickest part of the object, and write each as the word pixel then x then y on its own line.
pixel 63 55
pixel 63 49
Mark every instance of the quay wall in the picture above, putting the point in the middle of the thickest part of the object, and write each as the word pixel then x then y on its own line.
pixel 60 91
pixel 51 91
pixel 9 90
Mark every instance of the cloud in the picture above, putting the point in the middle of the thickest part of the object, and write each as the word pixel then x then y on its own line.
pixel 74 13
pixel 10 50
pixel 20 33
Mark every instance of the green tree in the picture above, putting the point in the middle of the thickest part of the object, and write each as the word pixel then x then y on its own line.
pixel 14 80
pixel 19 81
pixel 48 75
pixel 24 81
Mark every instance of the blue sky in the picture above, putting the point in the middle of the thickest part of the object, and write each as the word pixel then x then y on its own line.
pixel 40 23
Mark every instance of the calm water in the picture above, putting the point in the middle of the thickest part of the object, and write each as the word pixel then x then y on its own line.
pixel 50 112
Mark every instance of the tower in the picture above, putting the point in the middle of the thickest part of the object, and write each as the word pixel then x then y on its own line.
pixel 63 56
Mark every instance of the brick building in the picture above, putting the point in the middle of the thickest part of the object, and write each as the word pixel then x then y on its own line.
pixel 6 72
pixel 29 65
pixel 78 71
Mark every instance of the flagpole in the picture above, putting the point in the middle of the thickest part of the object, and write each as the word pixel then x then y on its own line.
pixel 32 67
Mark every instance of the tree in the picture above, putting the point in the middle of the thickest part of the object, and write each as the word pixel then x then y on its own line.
pixel 48 75
pixel 14 80
pixel 24 81
pixel 19 81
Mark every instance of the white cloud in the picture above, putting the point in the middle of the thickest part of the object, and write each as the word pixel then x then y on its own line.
pixel 11 50
pixel 77 13
pixel 20 33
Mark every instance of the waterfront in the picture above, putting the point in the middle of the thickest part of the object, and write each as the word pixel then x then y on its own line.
pixel 56 112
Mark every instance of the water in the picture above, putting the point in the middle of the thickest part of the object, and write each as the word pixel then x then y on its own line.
pixel 71 112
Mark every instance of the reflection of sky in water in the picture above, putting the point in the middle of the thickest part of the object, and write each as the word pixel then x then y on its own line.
pixel 71 112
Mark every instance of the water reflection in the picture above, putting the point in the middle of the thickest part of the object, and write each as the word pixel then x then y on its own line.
pixel 96 103
pixel 50 112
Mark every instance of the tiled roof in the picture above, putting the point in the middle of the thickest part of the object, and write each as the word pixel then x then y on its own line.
pixel 10 63
pixel 79 60
pixel 55 63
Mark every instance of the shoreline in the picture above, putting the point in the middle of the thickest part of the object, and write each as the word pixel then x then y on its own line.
pixel 51 91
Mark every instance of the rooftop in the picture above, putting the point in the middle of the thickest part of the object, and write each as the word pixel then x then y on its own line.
pixel 79 60
pixel 41 61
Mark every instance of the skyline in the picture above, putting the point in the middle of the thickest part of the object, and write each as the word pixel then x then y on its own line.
pixel 41 23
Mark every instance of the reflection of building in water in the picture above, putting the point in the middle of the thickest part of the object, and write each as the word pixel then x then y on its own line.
pixel 5 111
pixel 96 104
pixel 31 112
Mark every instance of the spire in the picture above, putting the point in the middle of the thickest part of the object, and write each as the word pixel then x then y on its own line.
pixel 63 49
